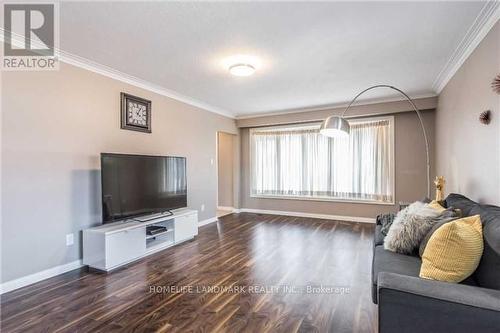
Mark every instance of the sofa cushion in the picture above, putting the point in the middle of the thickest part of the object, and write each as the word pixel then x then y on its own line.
pixel 487 274
pixel 387 261
pixel 379 236
pixel 463 203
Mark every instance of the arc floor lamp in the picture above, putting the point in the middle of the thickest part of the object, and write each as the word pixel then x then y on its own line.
pixel 338 126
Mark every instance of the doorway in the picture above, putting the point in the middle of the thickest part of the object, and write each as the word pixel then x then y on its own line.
pixel 225 173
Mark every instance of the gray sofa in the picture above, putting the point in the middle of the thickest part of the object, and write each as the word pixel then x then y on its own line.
pixel 407 303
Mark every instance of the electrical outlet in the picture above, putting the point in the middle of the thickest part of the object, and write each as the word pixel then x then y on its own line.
pixel 203 207
pixel 69 239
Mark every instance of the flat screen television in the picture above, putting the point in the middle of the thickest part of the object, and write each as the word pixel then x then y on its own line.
pixel 137 185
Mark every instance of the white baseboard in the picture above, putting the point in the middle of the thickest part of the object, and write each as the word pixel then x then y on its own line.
pixel 225 208
pixel 207 221
pixel 37 277
pixel 311 215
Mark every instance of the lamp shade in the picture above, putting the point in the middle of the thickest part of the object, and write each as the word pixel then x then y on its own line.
pixel 335 127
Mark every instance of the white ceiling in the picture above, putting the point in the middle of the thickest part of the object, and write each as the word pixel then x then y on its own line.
pixel 313 54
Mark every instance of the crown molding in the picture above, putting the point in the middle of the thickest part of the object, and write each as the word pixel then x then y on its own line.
pixel 137 82
pixel 331 106
pixel 485 20
pixel 112 73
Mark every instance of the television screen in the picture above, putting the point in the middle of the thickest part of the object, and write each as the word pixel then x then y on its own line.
pixel 135 185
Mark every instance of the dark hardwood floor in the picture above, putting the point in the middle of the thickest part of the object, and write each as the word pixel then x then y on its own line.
pixel 246 251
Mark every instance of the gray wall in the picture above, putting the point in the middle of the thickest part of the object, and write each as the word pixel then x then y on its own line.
pixel 409 165
pixel 468 153
pixel 54 125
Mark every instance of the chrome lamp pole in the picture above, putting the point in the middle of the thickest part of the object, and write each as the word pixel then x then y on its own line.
pixel 338 126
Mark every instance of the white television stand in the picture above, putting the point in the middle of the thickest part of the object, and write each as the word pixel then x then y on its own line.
pixel 110 246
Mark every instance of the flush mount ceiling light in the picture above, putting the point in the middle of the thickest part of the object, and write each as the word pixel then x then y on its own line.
pixel 241 69
pixel 241 65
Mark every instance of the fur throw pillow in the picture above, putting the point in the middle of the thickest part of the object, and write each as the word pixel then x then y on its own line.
pixel 410 227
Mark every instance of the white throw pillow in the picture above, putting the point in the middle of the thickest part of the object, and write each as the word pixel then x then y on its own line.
pixel 410 227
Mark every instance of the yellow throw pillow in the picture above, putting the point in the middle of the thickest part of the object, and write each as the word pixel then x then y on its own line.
pixel 434 204
pixel 454 250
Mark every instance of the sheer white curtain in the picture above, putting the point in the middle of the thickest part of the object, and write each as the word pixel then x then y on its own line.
pixel 300 162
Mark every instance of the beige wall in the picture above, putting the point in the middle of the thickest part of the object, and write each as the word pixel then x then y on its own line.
pixel 225 167
pixel 54 125
pixel 468 152
pixel 410 177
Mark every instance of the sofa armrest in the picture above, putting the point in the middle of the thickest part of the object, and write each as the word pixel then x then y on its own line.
pixel 411 304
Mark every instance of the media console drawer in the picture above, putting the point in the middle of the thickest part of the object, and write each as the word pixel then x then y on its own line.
pixel 130 243
pixel 185 227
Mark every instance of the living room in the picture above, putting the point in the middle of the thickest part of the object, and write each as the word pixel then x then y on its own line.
pixel 250 166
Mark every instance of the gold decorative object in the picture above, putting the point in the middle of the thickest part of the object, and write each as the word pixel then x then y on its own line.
pixel 439 182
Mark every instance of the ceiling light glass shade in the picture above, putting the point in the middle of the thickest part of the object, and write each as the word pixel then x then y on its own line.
pixel 242 70
pixel 335 127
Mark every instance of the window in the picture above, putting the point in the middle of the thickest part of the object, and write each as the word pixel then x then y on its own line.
pixel 299 162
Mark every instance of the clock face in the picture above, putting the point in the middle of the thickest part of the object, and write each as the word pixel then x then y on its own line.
pixel 137 114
